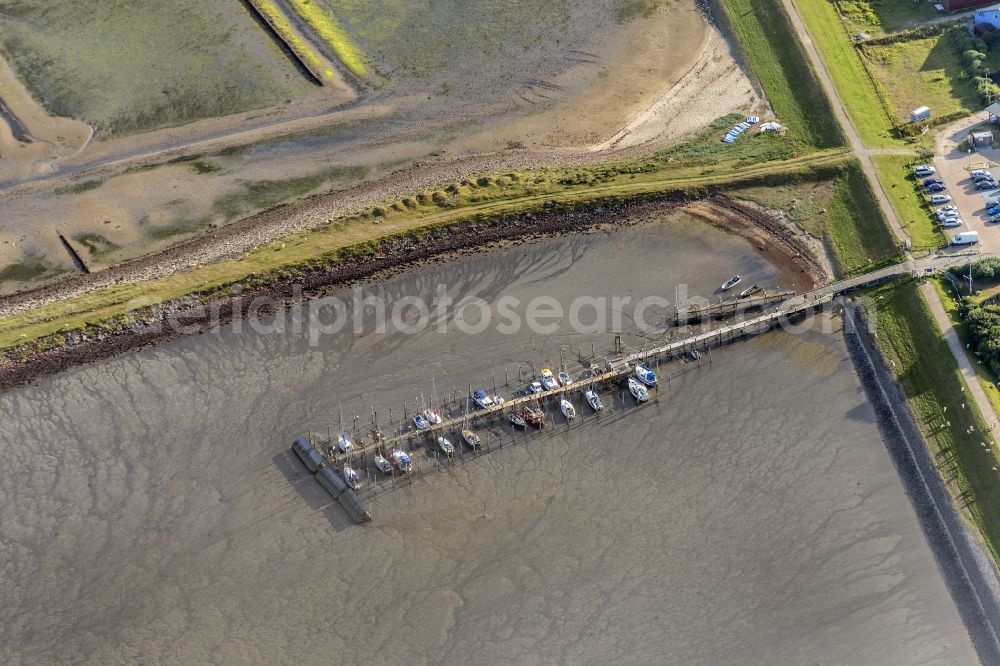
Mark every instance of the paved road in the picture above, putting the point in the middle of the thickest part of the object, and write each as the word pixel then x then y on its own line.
pixel 964 363
pixel 864 156
pixel 853 138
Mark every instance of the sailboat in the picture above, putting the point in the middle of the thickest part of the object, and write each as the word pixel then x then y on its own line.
pixel 567 408
pixel 382 464
pixel 446 446
pixel 344 443
pixel 515 417
pixel 471 439
pixel 594 400
pixel 401 459
pixel 352 478
pixel 637 390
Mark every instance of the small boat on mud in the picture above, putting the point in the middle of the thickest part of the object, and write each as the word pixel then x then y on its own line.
pixel 535 387
pixel 549 380
pixel 515 417
pixel 750 291
pixel 567 408
pixel 421 422
pixel 731 282
pixel 637 390
pixel 446 446
pixel 594 400
pixel 344 443
pixel 351 477
pixel 498 399
pixel 382 464
pixel 482 398
pixel 432 416
pixel 401 459
pixel 533 417
pixel 471 439
pixel 695 354
pixel 645 375
pixel 565 379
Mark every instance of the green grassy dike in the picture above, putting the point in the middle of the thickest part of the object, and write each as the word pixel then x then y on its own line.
pixel 936 391
pixel 783 70
pixel 414 217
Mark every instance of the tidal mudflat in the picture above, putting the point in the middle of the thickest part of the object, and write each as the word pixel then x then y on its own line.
pixel 150 511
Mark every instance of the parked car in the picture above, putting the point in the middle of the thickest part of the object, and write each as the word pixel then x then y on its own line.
pixel 933 181
pixel 986 185
pixel 994 218
pixel 980 172
pixel 993 210
pixel 952 222
pixel 947 215
pixel 948 209
pixel 922 170
pixel 983 176
pixel 938 187
pixel 937 199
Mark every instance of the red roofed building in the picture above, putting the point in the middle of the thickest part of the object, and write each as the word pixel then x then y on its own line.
pixel 962 5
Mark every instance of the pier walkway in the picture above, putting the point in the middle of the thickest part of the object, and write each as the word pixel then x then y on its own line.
pixel 615 370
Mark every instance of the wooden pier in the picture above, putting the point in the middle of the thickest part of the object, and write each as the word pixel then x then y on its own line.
pixel 781 307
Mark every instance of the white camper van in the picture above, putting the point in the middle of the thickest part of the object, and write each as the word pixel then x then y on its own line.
pixel 966 238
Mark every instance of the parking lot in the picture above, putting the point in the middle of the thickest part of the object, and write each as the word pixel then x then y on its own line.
pixel 954 169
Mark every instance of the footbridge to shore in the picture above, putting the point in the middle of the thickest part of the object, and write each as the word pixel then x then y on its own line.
pixel 615 370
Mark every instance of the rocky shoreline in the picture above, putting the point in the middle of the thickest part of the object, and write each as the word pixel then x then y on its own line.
pixel 191 314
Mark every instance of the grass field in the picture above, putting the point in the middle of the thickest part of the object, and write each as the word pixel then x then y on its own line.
pixel 275 17
pixel 213 60
pixel 783 70
pixel 953 307
pixel 858 233
pixel 806 204
pixel 874 17
pixel 842 212
pixel 921 72
pixel 936 392
pixel 895 174
pixel 862 101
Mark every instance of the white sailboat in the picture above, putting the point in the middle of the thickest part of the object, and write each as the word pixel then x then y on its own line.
pixel 594 400
pixel 567 408
pixel 637 390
